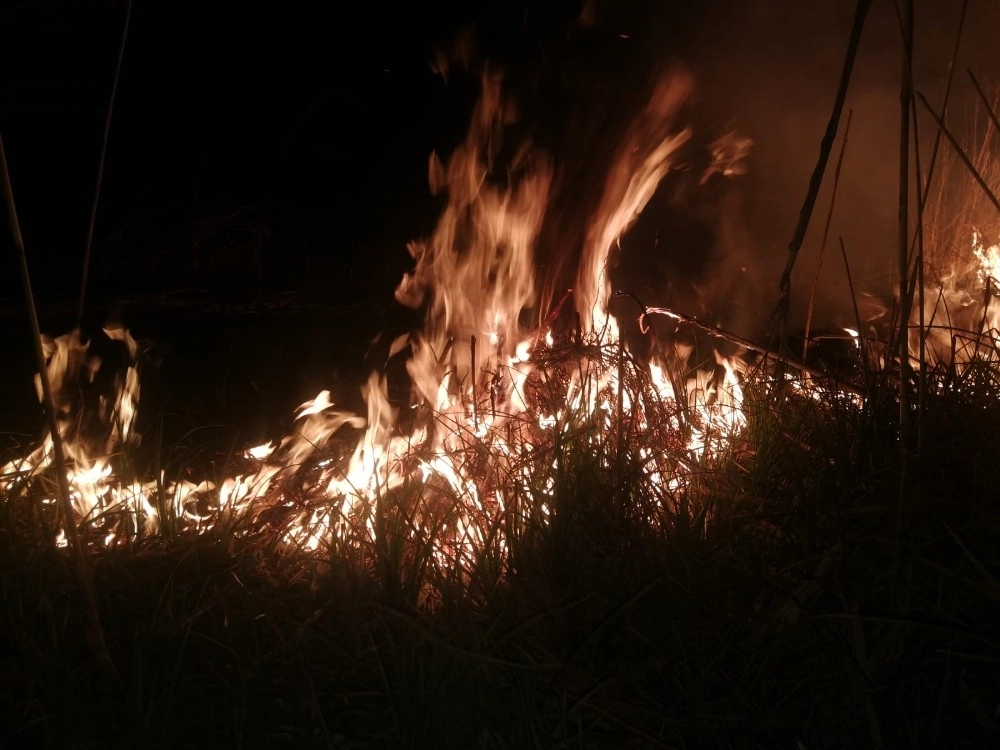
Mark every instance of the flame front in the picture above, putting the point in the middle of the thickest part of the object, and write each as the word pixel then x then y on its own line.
pixel 474 454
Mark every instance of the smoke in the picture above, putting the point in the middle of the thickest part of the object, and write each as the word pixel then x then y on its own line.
pixel 771 70
pixel 766 71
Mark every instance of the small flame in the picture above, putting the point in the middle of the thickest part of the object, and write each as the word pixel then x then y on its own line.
pixel 729 156
pixel 643 160
pixel 988 258
pixel 961 320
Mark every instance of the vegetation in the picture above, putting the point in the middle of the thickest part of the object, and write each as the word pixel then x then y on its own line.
pixel 576 551
pixel 775 597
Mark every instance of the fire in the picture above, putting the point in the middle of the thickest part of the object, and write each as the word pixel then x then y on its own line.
pixel 961 318
pixel 475 452
pixel 643 160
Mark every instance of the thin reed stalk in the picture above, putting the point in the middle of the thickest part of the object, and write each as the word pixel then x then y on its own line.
pixel 863 350
pixel 88 243
pixel 94 630
pixel 935 150
pixel 986 102
pixel 918 274
pixel 923 186
pixel 826 234
pixel 903 239
pixel 780 318
pixel 960 153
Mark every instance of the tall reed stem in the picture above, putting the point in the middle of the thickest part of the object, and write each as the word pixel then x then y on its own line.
pixel 903 239
pixel 960 153
pixel 826 234
pixel 784 287
pixel 93 629
pixel 89 241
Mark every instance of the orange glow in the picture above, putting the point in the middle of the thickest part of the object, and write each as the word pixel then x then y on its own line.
pixel 473 454
pixel 961 316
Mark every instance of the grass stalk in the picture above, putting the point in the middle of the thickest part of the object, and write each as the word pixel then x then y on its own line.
pixel 960 152
pixel 780 320
pixel 89 241
pixel 826 233
pixel 863 349
pixel 986 102
pixel 917 282
pixel 475 393
pixel 903 240
pixel 918 279
pixel 768 354
pixel 935 150
pixel 94 630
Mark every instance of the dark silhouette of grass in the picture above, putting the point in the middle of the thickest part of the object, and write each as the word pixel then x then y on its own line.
pixel 770 600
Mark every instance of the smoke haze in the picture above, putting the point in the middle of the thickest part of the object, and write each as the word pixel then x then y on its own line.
pixel 311 136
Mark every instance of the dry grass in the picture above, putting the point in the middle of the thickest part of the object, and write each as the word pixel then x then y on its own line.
pixel 774 600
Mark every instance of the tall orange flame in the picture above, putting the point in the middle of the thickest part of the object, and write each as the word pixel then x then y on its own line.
pixel 487 396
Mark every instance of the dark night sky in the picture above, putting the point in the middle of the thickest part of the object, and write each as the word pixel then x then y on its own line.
pixel 261 149
pixel 229 120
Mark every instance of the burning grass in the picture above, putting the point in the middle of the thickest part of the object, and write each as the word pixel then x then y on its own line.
pixel 537 538
pixel 635 579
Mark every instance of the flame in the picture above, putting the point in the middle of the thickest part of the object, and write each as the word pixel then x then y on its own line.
pixel 987 258
pixel 475 456
pixel 489 400
pixel 961 317
pixel 729 155
pixel 643 160
pixel 476 273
